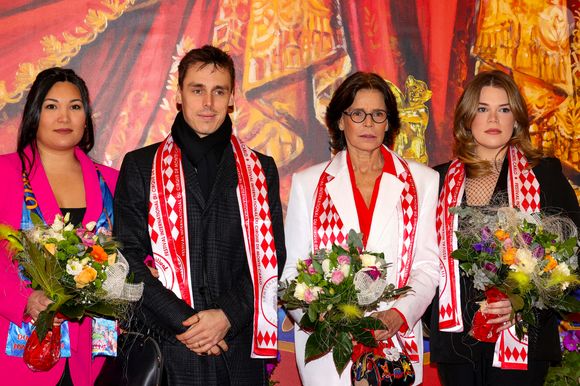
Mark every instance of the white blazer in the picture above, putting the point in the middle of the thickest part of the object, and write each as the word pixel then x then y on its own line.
pixel 384 236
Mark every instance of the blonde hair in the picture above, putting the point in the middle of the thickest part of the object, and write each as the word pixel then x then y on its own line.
pixel 464 144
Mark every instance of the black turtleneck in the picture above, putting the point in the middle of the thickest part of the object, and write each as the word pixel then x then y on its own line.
pixel 205 153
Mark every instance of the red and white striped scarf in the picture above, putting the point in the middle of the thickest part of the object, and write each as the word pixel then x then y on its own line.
pixel 169 235
pixel 524 193
pixel 328 229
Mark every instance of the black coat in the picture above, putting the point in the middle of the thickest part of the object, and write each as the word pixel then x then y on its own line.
pixel 217 248
pixel 556 196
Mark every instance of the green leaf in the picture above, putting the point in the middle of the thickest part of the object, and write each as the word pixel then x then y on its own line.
pixel 364 337
pixel 314 349
pixel 72 311
pixel 312 313
pixel 568 304
pixel 44 323
pixel 342 351
pixel 371 323
pixel 517 302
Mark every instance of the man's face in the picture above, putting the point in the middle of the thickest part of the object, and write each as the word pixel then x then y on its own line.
pixel 205 97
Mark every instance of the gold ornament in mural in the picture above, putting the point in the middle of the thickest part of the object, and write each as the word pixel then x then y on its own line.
pixel 60 50
pixel 288 50
pixel 414 114
pixel 531 39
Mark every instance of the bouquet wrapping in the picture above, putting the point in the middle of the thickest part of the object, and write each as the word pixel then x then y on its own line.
pixel 80 269
pixel 530 259
pixel 335 288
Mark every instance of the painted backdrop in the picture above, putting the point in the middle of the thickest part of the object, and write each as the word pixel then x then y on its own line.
pixel 290 56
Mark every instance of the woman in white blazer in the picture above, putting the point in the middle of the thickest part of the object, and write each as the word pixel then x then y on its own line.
pixel 369 188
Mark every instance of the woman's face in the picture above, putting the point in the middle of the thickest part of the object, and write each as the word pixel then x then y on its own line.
pixel 62 118
pixel 368 135
pixel 493 124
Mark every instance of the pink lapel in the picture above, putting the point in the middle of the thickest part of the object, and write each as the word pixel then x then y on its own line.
pixel 45 197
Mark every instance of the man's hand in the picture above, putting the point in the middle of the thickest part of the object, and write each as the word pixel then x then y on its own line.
pixel 392 321
pixel 206 332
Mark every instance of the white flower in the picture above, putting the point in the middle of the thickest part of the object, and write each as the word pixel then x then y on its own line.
pixel 73 267
pixel 326 265
pixel 345 268
pixel 85 261
pixel 66 217
pixel 58 224
pixel 69 227
pixel 392 354
pixel 90 226
pixel 525 262
pixel 368 260
pixel 300 290
pixel 562 269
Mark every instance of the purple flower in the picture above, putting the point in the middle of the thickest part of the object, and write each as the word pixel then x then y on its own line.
pixel 478 247
pixel 538 252
pixel 571 340
pixel 271 364
pixel 485 233
pixel 490 267
pixel 527 238
pixel 373 272
pixel 308 262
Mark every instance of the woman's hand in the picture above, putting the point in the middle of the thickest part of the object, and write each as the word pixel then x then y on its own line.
pixel 154 271
pixel 392 321
pixel 37 302
pixel 504 311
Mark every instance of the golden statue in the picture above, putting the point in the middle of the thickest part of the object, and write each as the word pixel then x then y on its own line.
pixel 414 114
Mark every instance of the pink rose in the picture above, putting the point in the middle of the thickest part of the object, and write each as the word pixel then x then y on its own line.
pixel 343 259
pixel 337 277
pixel 508 243
pixel 311 269
pixel 310 295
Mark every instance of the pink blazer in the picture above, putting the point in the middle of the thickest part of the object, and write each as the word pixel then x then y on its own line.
pixel 14 296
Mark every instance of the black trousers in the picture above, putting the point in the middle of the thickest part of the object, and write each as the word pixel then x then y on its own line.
pixel 482 373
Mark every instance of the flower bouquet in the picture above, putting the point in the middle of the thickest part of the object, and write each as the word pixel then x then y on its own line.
pixel 335 288
pixel 79 269
pixel 530 259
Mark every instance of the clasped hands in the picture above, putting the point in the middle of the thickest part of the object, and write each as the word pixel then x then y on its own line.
pixel 206 332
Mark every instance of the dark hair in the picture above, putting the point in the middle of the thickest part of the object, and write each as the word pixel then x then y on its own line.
pixel 464 144
pixel 32 109
pixel 343 98
pixel 206 55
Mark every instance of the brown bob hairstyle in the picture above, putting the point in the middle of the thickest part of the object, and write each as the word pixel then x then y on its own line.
pixel 343 98
pixel 464 144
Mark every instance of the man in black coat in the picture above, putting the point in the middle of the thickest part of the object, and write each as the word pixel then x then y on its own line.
pixel 207 209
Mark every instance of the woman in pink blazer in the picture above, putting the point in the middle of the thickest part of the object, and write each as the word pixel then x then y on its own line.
pixel 55 135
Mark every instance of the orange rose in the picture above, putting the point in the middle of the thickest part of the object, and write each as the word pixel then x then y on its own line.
pixel 501 234
pixel 99 254
pixel 51 248
pixel 552 263
pixel 509 256
pixel 87 276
